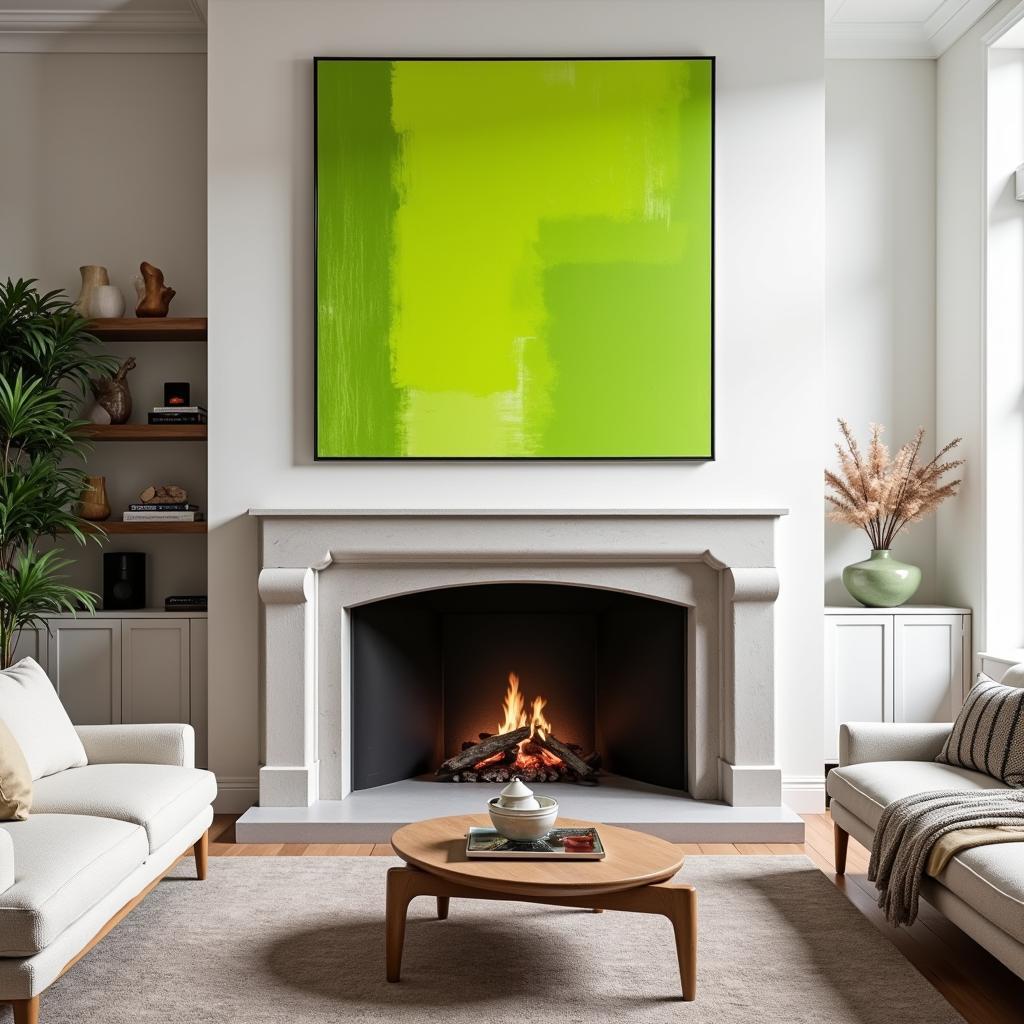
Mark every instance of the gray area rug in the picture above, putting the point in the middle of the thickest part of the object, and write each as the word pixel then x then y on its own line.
pixel 276 940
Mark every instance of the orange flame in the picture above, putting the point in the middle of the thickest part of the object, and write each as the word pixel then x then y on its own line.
pixel 515 717
pixel 514 709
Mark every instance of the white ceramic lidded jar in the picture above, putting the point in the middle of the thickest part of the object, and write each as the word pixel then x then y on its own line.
pixel 518 797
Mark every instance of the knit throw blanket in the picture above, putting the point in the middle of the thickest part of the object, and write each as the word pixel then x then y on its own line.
pixel 910 827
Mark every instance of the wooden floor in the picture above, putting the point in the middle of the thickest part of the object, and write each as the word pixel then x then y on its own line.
pixel 977 985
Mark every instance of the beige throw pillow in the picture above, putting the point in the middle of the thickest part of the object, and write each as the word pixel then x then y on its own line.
pixel 15 778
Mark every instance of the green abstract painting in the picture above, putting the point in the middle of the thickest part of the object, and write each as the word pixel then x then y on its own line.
pixel 514 258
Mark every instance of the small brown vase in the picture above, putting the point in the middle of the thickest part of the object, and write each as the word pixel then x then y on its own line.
pixel 93 504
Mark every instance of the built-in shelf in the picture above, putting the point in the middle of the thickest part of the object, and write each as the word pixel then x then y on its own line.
pixel 119 527
pixel 170 328
pixel 146 432
pixel 128 613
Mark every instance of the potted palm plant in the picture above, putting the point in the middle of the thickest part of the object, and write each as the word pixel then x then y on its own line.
pixel 46 357
pixel 882 495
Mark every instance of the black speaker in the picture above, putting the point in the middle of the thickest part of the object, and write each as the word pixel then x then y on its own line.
pixel 124 579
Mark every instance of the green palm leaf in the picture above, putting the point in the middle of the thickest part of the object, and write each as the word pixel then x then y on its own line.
pixel 47 357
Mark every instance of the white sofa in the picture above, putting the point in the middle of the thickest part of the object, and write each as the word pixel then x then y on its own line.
pixel 980 890
pixel 98 838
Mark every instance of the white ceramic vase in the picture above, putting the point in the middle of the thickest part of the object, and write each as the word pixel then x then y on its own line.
pixel 93 277
pixel 107 301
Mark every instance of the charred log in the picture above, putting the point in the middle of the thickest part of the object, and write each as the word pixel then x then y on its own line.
pixel 565 754
pixel 483 750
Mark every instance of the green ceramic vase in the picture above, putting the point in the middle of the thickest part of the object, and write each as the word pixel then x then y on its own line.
pixel 882 581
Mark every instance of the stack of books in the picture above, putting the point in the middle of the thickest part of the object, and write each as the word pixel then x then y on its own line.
pixel 179 512
pixel 177 414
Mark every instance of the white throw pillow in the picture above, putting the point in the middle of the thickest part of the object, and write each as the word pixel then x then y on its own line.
pixel 33 712
pixel 1013 676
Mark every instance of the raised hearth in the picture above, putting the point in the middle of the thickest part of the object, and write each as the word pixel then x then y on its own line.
pixel 323 570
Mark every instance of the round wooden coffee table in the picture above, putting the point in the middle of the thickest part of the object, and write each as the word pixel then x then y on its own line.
pixel 632 877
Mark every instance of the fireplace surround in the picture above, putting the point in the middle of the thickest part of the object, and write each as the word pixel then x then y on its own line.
pixel 322 571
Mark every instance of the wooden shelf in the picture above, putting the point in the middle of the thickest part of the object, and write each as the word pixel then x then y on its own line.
pixel 113 526
pixel 131 328
pixel 127 613
pixel 146 432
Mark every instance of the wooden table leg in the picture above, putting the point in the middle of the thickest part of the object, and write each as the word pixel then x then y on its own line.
pixel 400 892
pixel 404 885
pixel 676 902
pixel 684 923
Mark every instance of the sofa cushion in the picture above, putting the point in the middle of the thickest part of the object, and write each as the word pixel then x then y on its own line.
pixel 33 712
pixel 161 798
pixel 866 789
pixel 15 778
pixel 991 880
pixel 63 865
pixel 988 734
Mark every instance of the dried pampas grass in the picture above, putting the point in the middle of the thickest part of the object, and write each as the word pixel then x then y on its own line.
pixel 882 493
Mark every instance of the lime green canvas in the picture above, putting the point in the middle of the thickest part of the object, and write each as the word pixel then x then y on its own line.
pixel 514 258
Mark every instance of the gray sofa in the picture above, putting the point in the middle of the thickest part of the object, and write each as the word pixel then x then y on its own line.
pixel 98 838
pixel 980 890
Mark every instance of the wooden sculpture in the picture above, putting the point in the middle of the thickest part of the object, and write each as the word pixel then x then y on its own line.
pixel 154 296
pixel 112 394
pixel 163 494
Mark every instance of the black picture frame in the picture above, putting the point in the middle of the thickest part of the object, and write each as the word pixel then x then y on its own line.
pixel 527 459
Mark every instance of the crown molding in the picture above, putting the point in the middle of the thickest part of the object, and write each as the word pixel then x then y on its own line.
pixel 857 40
pixel 953 19
pixel 102 30
pixel 923 40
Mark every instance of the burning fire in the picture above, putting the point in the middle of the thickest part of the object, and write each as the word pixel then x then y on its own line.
pixel 529 756
pixel 514 708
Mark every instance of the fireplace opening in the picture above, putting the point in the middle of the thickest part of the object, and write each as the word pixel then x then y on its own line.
pixel 522 746
pixel 548 683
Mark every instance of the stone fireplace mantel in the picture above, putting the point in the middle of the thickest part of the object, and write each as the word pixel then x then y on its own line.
pixel 317 564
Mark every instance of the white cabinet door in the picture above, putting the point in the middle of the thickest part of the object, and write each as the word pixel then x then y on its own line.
pixel 928 665
pixel 197 689
pixel 85 665
pixel 31 644
pixel 858 673
pixel 155 670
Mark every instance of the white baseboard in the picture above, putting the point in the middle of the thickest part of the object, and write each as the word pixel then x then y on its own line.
pixel 236 795
pixel 804 794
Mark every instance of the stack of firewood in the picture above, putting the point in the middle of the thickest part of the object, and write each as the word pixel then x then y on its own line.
pixel 496 758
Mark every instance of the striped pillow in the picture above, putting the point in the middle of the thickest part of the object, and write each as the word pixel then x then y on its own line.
pixel 988 734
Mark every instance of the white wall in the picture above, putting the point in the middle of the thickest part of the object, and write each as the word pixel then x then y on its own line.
pixel 770 220
pixel 880 278
pixel 104 161
pixel 1004 353
pixel 961 237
